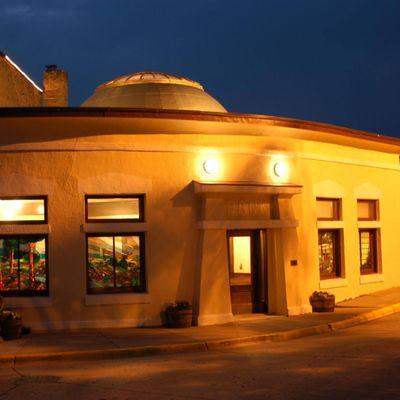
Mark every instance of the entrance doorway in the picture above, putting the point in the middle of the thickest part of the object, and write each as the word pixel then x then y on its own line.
pixel 247 271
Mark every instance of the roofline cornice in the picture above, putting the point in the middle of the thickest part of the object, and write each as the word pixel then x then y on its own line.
pixel 233 118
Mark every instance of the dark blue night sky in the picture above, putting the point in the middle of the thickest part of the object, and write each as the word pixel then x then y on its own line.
pixel 334 61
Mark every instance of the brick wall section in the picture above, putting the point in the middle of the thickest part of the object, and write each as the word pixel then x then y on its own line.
pixel 15 89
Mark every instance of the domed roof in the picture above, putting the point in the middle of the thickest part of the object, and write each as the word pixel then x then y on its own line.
pixel 155 90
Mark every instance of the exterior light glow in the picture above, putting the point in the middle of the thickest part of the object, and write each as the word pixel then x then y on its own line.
pixel 280 169
pixel 9 209
pixel 211 166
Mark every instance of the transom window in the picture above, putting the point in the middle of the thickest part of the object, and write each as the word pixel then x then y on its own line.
pixel 328 209
pixel 23 265
pixel 27 210
pixel 329 253
pixel 367 210
pixel 101 208
pixel 368 251
pixel 115 263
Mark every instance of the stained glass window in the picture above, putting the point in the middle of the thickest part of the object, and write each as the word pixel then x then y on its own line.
pixel 368 250
pixel 115 263
pixel 329 255
pixel 23 265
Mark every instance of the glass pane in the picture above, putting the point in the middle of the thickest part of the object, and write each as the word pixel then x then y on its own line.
pixel 367 241
pixel 242 254
pixel 327 209
pixel 8 264
pixel 100 262
pixel 22 210
pixel 327 253
pixel 127 257
pixel 366 209
pixel 113 208
pixel 32 263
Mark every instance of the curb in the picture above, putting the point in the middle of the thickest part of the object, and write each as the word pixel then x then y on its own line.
pixel 143 351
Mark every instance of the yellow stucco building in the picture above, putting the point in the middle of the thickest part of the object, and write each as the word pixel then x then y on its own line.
pixel 152 192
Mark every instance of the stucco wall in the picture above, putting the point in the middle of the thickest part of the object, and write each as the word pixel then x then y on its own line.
pixel 15 89
pixel 163 167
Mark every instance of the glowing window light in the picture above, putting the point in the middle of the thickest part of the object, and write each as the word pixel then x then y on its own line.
pixel 20 210
pixel 114 208
pixel 211 166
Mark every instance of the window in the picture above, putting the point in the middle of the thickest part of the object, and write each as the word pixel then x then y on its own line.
pixel 328 209
pixel 115 263
pixel 122 208
pixel 241 254
pixel 26 210
pixel 329 253
pixel 23 265
pixel 367 210
pixel 368 251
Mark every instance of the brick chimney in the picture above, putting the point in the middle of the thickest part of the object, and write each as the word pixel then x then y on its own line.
pixel 55 87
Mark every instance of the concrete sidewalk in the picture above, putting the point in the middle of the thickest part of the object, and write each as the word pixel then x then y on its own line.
pixel 246 329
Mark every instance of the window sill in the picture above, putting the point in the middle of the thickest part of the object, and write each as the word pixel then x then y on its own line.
pixel 111 227
pixel 20 229
pixel 371 278
pixel 369 224
pixel 27 302
pixel 330 224
pixel 333 283
pixel 117 298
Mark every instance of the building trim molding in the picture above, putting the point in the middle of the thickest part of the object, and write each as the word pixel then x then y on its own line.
pixel 330 224
pixel 369 224
pixel 58 146
pixel 111 227
pixel 263 188
pixel 22 229
pixel 248 224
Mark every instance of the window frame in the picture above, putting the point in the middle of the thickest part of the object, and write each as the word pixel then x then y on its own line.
pixel 337 254
pixel 131 289
pixel 375 208
pixel 337 210
pixel 27 222
pixel 140 197
pixel 375 268
pixel 29 293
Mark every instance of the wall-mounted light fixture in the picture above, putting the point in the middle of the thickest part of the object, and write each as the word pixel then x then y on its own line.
pixel 211 166
pixel 281 169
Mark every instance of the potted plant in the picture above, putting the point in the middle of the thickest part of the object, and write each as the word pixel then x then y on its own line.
pixel 11 325
pixel 322 302
pixel 179 315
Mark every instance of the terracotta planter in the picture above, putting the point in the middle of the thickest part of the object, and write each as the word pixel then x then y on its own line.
pixel 178 318
pixel 322 302
pixel 11 329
